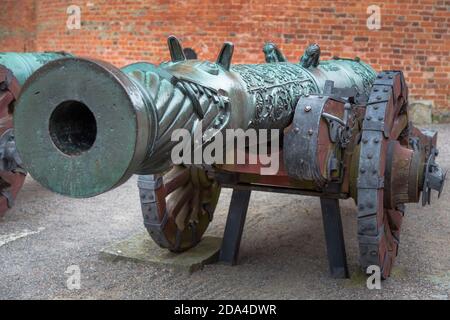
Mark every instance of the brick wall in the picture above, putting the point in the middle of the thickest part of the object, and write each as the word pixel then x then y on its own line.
pixel 414 34
pixel 17 25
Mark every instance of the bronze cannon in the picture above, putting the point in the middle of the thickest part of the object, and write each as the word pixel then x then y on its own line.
pixel 84 127
pixel 15 68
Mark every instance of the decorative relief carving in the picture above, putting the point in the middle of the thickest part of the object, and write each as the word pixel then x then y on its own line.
pixel 367 76
pixel 329 66
pixel 276 89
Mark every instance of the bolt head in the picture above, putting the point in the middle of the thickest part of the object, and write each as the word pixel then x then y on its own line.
pixel 308 108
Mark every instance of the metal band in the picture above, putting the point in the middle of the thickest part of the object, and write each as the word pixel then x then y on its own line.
pixel 301 141
pixel 375 131
pixel 149 203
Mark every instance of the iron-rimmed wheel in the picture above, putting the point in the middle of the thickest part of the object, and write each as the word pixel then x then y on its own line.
pixel 178 206
pixel 384 124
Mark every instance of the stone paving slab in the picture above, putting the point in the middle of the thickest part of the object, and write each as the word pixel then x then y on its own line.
pixel 141 248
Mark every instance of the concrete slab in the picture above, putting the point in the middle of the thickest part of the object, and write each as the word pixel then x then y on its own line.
pixel 420 112
pixel 142 248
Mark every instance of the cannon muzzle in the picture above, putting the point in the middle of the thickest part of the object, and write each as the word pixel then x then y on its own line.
pixel 87 129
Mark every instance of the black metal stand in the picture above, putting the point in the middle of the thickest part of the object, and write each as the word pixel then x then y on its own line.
pixel 334 238
pixel 334 235
pixel 235 226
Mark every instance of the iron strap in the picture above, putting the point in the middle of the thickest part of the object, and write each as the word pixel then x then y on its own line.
pixel 148 185
pixel 301 141
pixel 370 183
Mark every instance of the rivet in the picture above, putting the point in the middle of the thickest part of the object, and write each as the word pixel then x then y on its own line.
pixel 370 205
pixel 374 172
pixel 380 118
pixel 385 90
pixel 380 77
pixel 390 77
pixel 375 90
pixel 363 170
pixel 310 132
pixel 365 141
pixel 370 156
pixel 376 140
pixel 378 98
pixel 297 130
pixel 361 207
pixel 308 108
pixel 369 118
pixel 373 253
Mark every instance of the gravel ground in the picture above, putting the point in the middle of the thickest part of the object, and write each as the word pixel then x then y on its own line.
pixel 283 252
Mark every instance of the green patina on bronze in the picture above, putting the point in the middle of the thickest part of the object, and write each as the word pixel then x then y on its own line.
pixel 134 111
pixel 23 65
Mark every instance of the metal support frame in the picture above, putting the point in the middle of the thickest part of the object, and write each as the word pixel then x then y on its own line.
pixel 334 238
pixel 235 226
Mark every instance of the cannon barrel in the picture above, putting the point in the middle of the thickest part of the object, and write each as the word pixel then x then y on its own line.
pixel 15 68
pixel 23 65
pixel 84 126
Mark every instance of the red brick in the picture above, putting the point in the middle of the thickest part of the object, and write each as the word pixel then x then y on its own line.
pixel 414 35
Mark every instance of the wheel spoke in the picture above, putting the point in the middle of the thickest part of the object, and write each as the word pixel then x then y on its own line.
pixel 178 206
